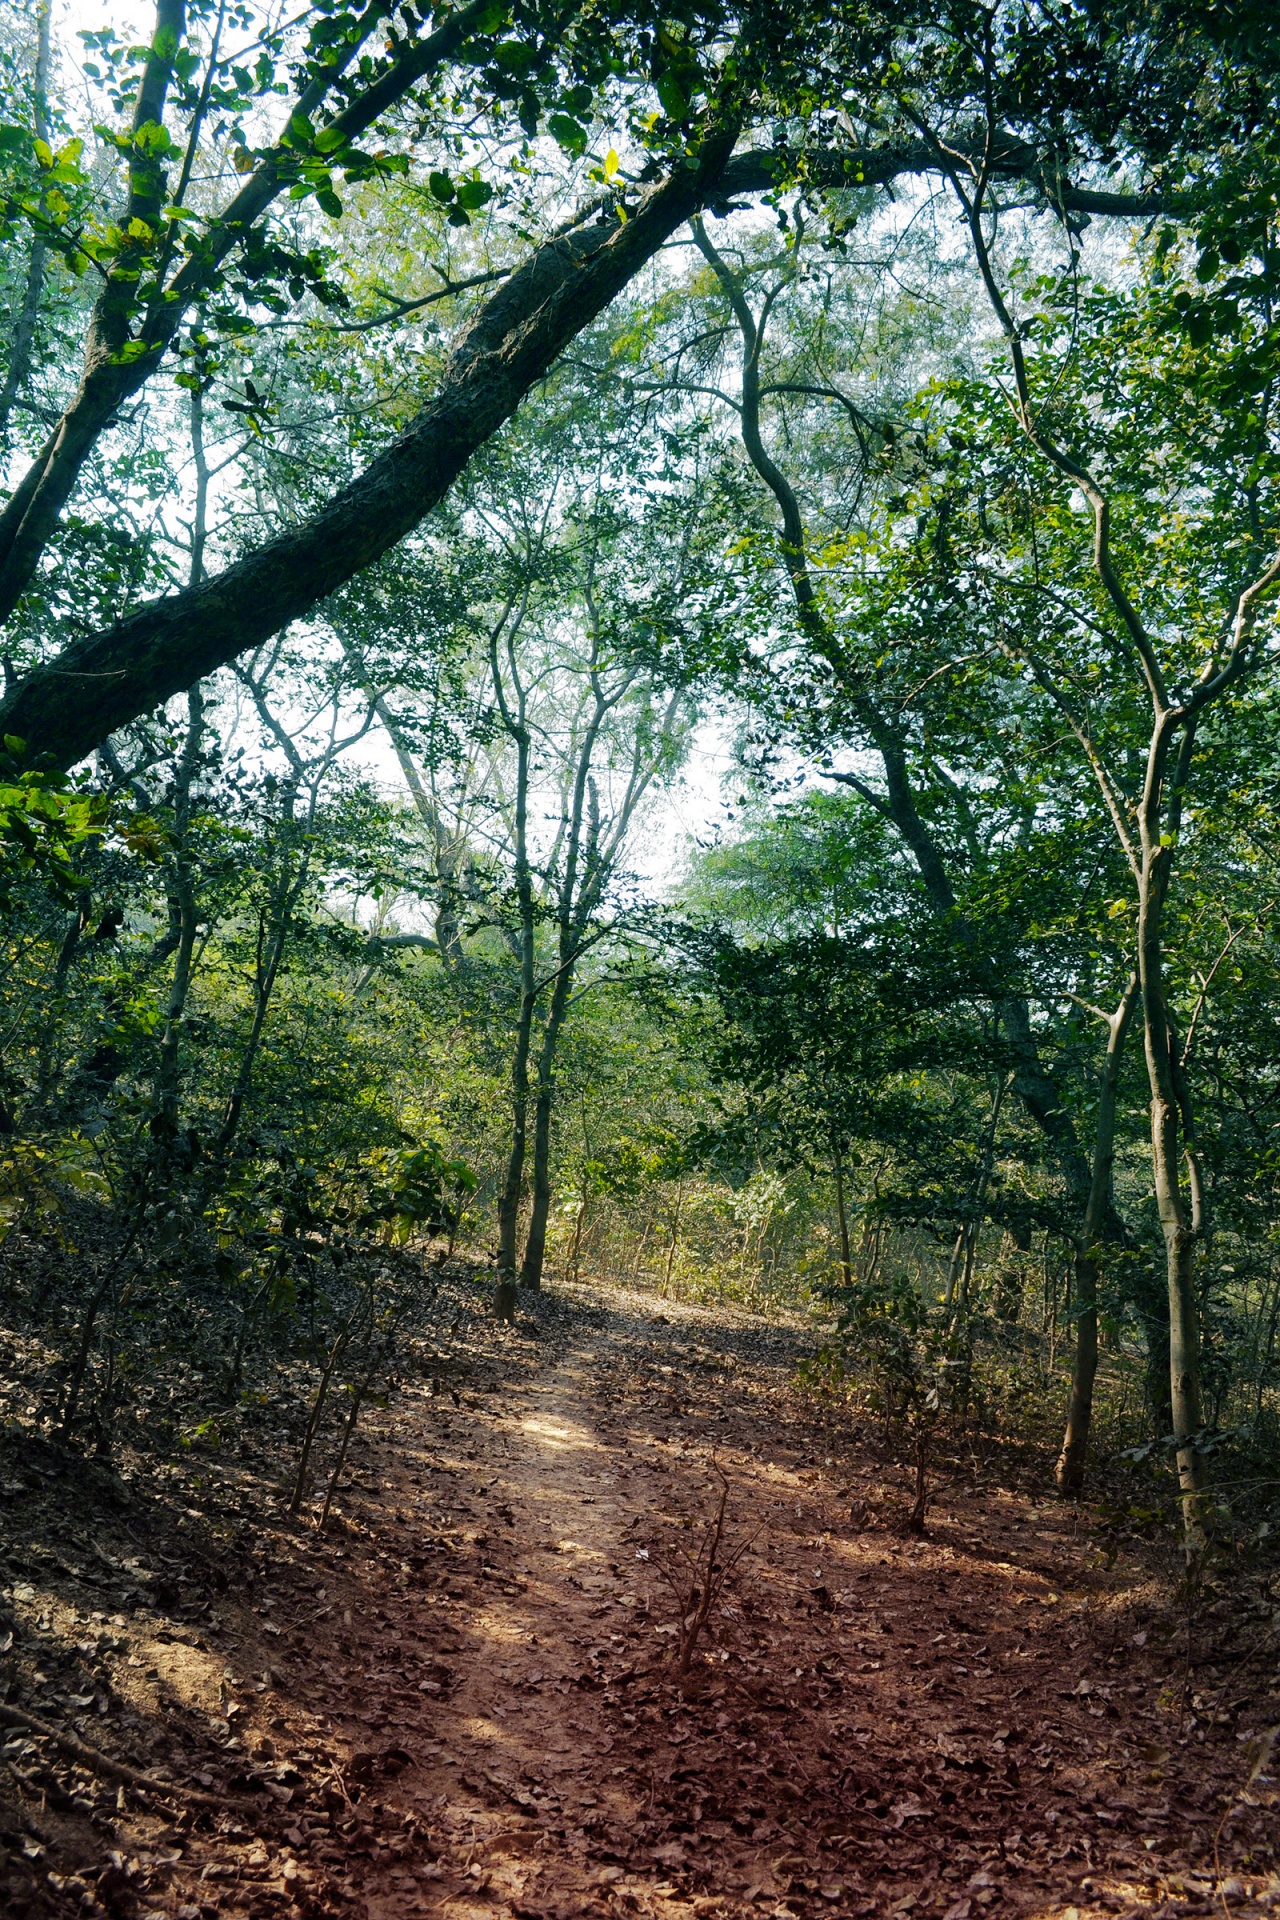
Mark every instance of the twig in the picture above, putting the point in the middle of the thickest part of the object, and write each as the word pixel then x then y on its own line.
pixel 102 1763
pixel 708 1577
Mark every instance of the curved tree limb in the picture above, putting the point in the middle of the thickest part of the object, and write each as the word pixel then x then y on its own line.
pixel 101 682
pixel 65 708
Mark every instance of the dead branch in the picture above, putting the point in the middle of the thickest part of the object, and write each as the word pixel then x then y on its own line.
pixel 702 1581
pixel 103 1764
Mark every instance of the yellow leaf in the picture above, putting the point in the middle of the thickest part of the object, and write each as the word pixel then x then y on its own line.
pixel 610 164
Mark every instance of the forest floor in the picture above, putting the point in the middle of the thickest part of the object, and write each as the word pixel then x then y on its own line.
pixel 461 1700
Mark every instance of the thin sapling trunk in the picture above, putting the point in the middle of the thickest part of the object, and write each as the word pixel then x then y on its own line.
pixel 1069 1471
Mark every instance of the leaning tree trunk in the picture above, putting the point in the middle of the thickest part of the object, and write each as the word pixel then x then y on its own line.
pixel 161 648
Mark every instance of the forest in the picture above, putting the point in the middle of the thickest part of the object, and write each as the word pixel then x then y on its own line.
pixel 640 1001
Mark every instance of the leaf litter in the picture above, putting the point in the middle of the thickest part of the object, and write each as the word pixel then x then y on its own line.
pixel 622 1622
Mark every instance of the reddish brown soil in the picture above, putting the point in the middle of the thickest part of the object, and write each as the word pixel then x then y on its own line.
pixel 463 1703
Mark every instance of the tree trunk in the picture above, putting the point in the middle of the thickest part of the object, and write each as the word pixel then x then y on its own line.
pixel 358 1396
pixel 966 1247
pixel 954 1265
pixel 1179 1233
pixel 449 847
pixel 575 1251
pixel 274 926
pixel 504 1304
pixel 183 910
pixel 270 954
pixel 24 332
pixel 588 863
pixel 920 1506
pixel 80 1364
pixel 899 802
pixel 327 1366
pixel 842 1217
pixel 563 286
pixel 535 1246
pixel 675 1238
pixel 1069 1472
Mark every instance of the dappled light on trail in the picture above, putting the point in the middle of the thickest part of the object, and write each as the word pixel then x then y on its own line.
pixel 464 1700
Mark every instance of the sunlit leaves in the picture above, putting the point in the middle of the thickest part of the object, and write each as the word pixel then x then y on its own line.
pixel 45 825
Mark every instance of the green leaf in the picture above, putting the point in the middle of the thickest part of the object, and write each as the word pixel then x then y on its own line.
pixel 327 199
pixel 514 57
pixel 474 193
pixel 1200 326
pixel 567 133
pixel 329 139
pixel 442 187
pixel 151 137
pixel 675 103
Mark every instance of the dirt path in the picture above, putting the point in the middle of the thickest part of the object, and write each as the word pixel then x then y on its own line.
pixel 464 1704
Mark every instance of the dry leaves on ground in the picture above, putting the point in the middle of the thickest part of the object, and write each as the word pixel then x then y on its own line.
pixel 464 1700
